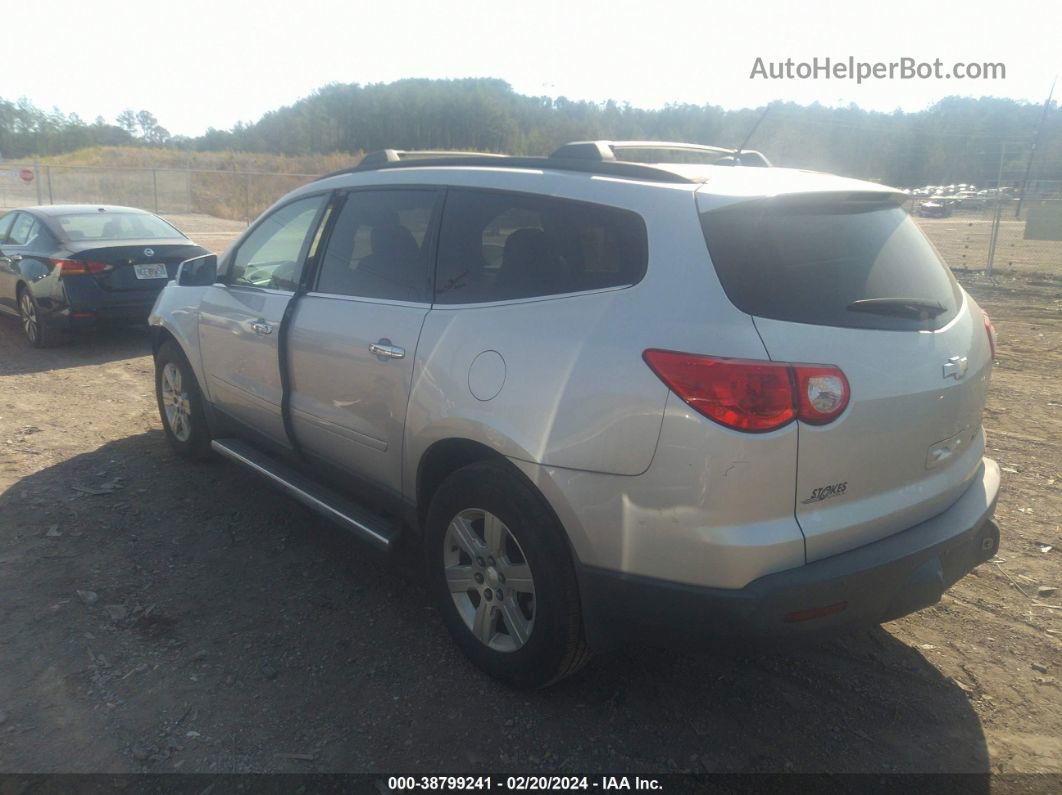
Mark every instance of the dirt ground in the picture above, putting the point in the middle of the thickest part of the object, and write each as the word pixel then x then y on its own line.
pixel 963 240
pixel 158 616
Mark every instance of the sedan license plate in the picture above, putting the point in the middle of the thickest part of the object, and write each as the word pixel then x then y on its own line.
pixel 152 270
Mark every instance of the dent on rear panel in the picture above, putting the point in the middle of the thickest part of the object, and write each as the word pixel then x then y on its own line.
pixel 562 391
pixel 714 509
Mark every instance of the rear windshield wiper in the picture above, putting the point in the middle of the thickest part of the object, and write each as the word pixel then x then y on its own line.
pixel 909 307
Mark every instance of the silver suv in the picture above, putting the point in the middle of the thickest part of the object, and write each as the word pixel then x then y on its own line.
pixel 612 400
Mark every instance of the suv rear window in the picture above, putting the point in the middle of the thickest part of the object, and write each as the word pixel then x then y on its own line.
pixel 500 246
pixel 809 259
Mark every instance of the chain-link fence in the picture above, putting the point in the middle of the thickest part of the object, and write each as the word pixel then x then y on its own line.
pixel 970 237
pixel 236 195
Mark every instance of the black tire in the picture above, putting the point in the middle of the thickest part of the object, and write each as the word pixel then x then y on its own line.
pixel 38 334
pixel 556 646
pixel 193 443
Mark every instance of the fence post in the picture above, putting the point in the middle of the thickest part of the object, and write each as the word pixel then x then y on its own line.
pixel 37 179
pixel 191 202
pixel 247 198
pixel 155 187
pixel 48 172
pixel 999 210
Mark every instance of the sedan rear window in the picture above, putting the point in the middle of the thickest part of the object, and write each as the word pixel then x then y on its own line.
pixel 115 226
pixel 857 263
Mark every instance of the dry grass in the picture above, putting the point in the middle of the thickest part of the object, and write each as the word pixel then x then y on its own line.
pixel 232 185
pixel 148 158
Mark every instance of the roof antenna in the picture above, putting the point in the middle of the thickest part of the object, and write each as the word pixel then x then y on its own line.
pixel 736 157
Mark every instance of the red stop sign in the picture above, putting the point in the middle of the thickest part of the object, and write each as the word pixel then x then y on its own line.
pixel 26 175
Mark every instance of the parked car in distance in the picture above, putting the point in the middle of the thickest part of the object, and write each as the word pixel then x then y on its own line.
pixel 67 267
pixel 937 207
pixel 657 401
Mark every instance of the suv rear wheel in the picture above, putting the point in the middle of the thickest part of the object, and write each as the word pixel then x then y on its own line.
pixel 180 403
pixel 500 571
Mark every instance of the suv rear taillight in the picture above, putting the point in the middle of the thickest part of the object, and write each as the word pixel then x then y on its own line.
pixel 749 395
pixel 73 267
pixel 991 331
pixel 821 392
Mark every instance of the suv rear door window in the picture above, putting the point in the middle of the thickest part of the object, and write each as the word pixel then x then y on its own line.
pixel 379 246
pixel 809 259
pixel 499 246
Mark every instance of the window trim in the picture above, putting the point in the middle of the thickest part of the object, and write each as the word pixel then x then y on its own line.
pixel 365 300
pixel 431 237
pixel 549 296
pixel 534 299
pixel 225 276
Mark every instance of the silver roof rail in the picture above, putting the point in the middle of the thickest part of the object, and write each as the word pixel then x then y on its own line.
pixel 395 155
pixel 606 151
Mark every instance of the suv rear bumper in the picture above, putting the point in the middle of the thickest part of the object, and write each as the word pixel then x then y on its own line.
pixel 863 587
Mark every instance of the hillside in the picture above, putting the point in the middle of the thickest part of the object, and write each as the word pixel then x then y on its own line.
pixel 955 140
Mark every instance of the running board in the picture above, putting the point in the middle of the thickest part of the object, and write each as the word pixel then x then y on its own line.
pixel 367 526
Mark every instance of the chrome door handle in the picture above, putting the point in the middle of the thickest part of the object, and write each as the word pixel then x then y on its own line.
pixel 384 350
pixel 14 258
pixel 261 327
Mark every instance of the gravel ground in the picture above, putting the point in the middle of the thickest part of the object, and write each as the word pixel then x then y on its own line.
pixel 157 616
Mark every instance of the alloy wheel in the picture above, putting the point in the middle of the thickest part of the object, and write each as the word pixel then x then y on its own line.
pixel 490 580
pixel 176 403
pixel 28 310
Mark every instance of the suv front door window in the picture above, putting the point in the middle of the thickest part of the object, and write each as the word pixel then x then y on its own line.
pixel 269 256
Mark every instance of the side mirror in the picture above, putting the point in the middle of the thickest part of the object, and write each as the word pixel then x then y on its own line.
pixel 198 271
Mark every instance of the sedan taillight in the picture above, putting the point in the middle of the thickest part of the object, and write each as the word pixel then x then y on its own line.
pixel 750 395
pixel 73 267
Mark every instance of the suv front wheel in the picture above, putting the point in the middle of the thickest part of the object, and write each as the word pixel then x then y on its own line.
pixel 500 571
pixel 180 403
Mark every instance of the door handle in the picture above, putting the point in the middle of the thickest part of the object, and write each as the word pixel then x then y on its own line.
pixel 13 258
pixel 384 350
pixel 261 328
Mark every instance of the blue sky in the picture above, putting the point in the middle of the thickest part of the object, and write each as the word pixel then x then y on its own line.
pixel 200 63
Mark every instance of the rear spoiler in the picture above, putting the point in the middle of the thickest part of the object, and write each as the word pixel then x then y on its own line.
pixel 852 200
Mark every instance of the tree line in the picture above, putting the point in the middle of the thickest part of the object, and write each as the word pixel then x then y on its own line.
pixel 955 140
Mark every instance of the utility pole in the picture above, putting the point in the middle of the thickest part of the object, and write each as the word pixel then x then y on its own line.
pixel 1032 152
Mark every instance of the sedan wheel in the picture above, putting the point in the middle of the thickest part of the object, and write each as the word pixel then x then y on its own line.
pixel 30 324
pixel 490 580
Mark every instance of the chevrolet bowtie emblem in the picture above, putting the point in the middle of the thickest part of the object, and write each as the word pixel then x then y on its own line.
pixel 955 367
